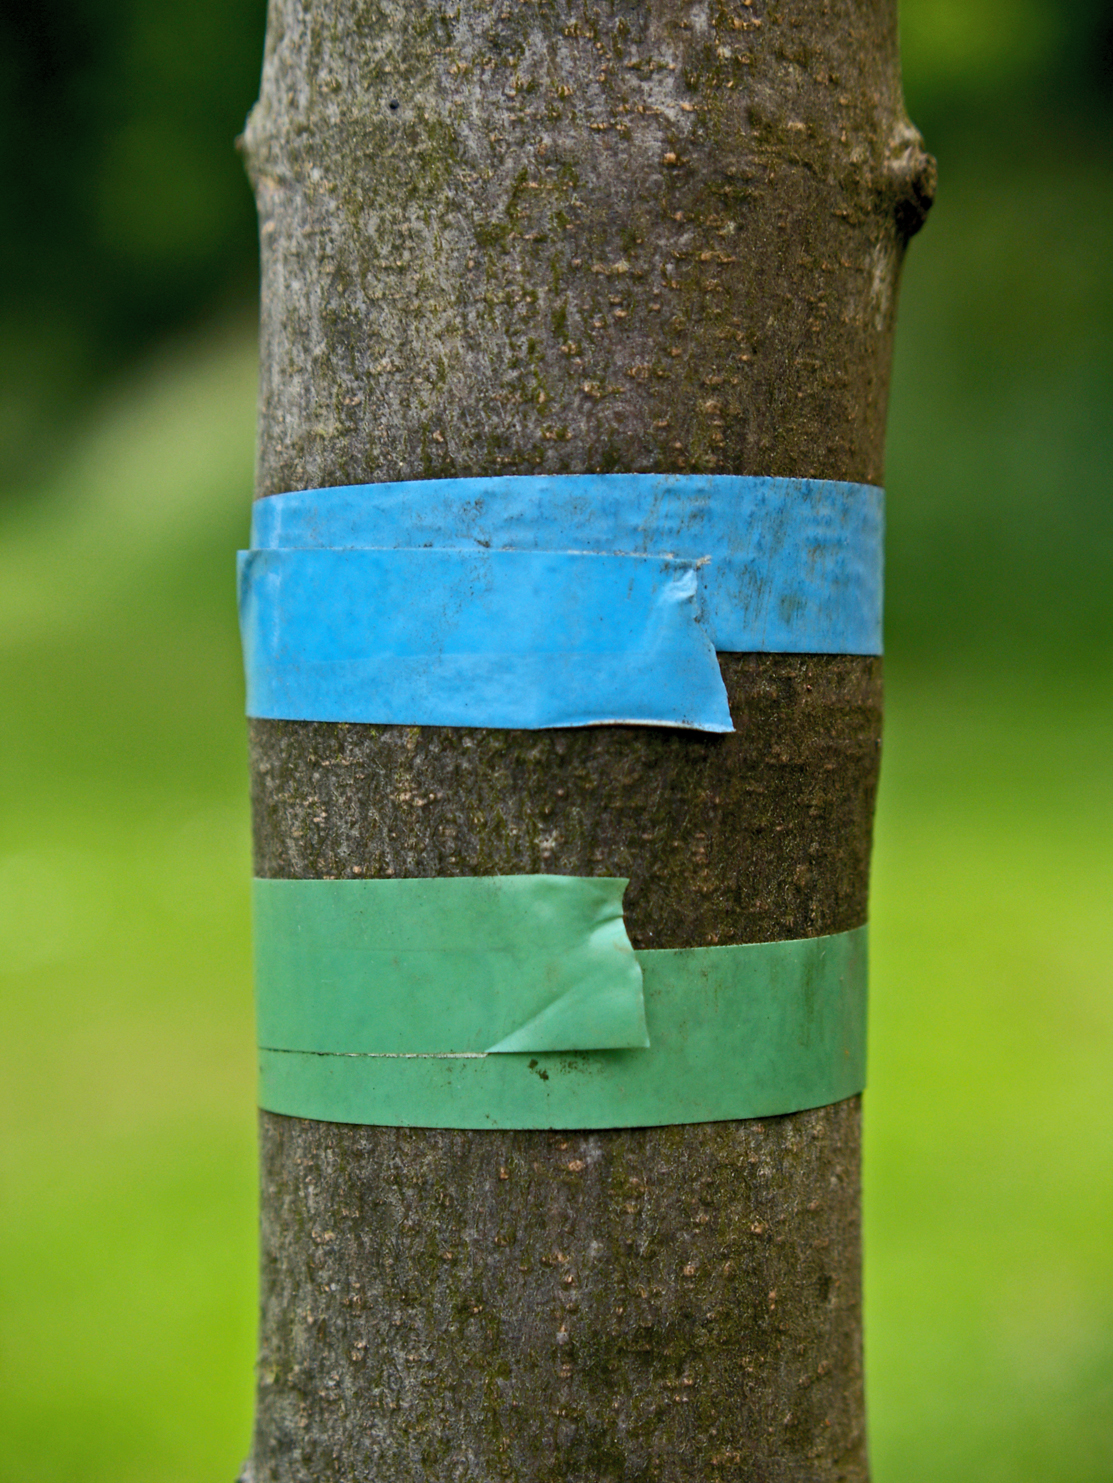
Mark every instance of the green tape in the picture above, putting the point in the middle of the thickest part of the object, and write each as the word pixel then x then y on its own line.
pixel 464 965
pixel 746 1031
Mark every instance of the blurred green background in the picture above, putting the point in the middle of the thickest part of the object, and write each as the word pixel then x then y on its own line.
pixel 127 1241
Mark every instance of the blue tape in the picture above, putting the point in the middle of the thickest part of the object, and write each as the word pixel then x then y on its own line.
pixel 477 638
pixel 795 564
pixel 571 600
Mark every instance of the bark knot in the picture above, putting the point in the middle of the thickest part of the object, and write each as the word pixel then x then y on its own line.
pixel 911 177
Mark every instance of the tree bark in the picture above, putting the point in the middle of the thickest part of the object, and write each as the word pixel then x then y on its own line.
pixel 561 237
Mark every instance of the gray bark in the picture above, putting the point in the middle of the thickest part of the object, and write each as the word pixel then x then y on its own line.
pixel 557 237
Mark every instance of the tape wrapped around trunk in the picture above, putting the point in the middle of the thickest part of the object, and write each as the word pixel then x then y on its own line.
pixel 517 1002
pixel 548 601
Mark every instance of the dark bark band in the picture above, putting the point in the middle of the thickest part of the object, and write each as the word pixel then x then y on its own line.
pixel 752 837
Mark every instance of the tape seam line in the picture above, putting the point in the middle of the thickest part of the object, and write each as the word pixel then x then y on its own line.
pixel 394 1055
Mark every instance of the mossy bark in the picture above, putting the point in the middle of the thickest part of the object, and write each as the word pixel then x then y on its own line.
pixel 563 237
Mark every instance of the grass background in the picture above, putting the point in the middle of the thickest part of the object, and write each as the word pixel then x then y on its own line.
pixel 127 1217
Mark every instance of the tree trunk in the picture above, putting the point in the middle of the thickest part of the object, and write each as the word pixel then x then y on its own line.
pixel 557 237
